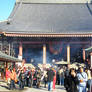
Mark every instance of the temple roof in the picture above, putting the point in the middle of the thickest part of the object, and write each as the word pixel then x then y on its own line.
pixel 53 1
pixel 5 57
pixel 48 18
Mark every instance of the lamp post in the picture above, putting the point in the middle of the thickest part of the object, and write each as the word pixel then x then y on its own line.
pixel 53 61
pixel 32 60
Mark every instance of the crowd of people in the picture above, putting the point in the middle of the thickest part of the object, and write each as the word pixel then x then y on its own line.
pixel 73 80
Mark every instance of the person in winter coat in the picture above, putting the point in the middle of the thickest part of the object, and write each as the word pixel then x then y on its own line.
pixel 38 78
pixel 50 74
pixel 89 78
pixel 13 79
pixel 8 73
pixel 82 77
pixel 71 81
pixel 45 78
pixel 21 80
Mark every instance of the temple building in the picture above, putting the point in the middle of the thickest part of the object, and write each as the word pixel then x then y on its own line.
pixel 41 31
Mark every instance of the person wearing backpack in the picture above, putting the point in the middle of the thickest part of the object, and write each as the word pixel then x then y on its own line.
pixel 82 77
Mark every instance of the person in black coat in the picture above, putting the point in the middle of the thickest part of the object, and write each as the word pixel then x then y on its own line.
pixel 38 78
pixel 50 74
pixel 29 78
pixel 71 81
pixel 21 80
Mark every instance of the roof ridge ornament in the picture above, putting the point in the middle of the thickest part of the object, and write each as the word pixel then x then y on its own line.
pixel 8 21
pixel 4 21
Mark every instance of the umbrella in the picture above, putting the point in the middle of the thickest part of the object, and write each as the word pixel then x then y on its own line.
pixel 61 62
pixel 29 65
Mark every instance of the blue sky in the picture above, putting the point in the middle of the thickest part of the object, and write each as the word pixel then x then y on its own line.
pixel 6 7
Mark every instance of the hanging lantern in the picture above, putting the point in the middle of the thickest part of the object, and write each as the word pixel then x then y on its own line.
pixel 55 47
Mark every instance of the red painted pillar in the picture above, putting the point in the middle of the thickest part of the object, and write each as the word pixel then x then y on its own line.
pixel 44 54
pixel 23 62
pixel 84 54
pixel 68 54
pixel 20 51
pixel 7 64
pixel 91 60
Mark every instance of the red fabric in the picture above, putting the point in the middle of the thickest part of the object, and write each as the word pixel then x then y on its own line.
pixel 13 75
pixel 24 69
pixel 8 73
pixel 34 79
pixel 54 80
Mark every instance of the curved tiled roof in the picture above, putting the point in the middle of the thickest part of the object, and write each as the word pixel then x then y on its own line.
pixel 43 18
pixel 53 1
pixel 6 57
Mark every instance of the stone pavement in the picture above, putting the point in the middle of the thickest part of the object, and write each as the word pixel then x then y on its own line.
pixel 42 89
pixel 4 88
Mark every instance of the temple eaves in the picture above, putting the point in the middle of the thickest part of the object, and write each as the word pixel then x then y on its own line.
pixel 53 1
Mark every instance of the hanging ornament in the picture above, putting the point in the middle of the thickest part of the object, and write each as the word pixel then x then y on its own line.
pixel 55 47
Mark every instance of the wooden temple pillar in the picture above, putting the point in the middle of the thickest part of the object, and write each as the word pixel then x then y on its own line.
pixel 6 64
pixel 90 55
pixel 9 48
pixel 91 60
pixel 20 51
pixel 44 54
pixel 84 57
pixel 68 54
